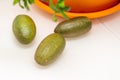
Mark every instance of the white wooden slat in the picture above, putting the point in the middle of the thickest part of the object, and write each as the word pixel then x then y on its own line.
pixel 112 23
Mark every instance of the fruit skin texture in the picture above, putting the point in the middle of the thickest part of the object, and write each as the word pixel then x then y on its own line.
pixel 24 29
pixel 49 49
pixel 74 27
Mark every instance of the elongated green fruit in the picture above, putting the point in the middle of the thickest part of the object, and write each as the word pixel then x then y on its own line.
pixel 74 26
pixel 24 29
pixel 49 49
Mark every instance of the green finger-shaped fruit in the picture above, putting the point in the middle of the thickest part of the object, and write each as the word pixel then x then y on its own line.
pixel 24 29
pixel 49 49
pixel 74 26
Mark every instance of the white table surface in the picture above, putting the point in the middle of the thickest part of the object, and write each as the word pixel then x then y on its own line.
pixel 94 56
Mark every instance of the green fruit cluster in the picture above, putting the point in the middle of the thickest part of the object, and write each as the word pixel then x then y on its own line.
pixel 53 45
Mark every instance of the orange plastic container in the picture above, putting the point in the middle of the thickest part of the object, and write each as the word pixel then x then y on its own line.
pixel 90 15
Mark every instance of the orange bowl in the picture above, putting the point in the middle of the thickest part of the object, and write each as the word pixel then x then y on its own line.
pixel 71 14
